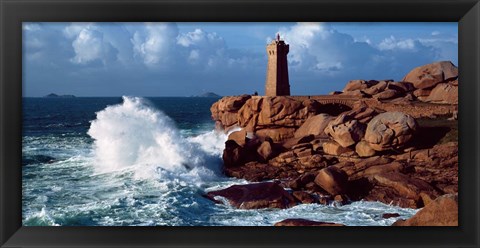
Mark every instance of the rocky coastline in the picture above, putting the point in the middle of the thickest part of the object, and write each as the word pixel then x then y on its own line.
pixel 376 140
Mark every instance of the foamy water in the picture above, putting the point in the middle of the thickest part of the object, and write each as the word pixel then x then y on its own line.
pixel 136 167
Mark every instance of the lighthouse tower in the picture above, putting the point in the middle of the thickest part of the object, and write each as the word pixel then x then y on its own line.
pixel 277 69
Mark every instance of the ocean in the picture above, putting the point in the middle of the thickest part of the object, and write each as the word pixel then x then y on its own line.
pixel 130 161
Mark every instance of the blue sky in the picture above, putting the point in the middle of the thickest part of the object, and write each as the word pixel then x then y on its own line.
pixel 184 59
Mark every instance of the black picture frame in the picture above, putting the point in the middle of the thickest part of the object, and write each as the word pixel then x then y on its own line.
pixel 14 12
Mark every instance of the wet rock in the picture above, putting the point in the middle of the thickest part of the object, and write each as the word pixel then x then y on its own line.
pixel 233 154
pixel 304 222
pixel 390 215
pixel 255 196
pixel 303 197
pixel 301 181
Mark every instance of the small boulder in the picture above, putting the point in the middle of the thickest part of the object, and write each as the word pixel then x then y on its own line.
pixel 345 130
pixel 363 149
pixel 355 85
pixel 332 180
pixel 377 88
pixel 333 148
pixel 386 94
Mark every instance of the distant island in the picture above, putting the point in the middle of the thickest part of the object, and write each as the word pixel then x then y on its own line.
pixel 53 95
pixel 208 94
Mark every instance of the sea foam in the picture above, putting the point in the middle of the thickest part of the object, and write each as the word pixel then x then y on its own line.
pixel 135 136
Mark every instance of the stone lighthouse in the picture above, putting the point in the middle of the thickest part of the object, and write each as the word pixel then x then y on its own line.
pixel 277 69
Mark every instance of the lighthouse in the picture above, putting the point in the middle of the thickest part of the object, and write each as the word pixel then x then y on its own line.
pixel 277 69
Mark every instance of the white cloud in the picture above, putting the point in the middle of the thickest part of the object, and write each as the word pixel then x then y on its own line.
pixel 154 44
pixel 392 43
pixel 74 29
pixel 89 44
pixel 317 47
pixel 435 33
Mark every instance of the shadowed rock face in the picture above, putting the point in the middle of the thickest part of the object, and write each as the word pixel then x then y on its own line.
pixel 254 196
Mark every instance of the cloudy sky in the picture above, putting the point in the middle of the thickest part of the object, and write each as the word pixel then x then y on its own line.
pixel 184 59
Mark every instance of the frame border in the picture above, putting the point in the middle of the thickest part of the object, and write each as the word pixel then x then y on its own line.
pixel 14 12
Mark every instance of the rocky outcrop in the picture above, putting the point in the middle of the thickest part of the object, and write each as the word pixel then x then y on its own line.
pixel 275 117
pixel 255 196
pixel 443 211
pixel 428 76
pixel 436 82
pixel 375 149
pixel 224 111
pixel 304 222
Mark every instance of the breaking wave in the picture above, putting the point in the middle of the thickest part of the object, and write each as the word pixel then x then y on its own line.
pixel 134 136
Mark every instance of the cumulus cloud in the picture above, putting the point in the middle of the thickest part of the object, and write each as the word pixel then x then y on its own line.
pixel 392 43
pixel 318 47
pixel 89 44
pixel 155 43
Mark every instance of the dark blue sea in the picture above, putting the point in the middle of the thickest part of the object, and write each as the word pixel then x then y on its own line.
pixel 130 161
